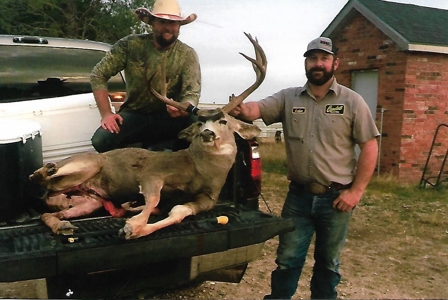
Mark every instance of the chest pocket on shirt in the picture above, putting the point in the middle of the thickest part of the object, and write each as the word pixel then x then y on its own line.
pixel 336 122
pixel 296 122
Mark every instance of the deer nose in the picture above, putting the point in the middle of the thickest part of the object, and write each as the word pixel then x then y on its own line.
pixel 207 135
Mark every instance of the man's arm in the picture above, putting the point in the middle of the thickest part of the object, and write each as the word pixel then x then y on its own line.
pixel 102 101
pixel 364 170
pixel 110 64
pixel 366 164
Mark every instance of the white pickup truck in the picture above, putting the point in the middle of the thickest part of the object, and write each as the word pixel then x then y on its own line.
pixel 47 112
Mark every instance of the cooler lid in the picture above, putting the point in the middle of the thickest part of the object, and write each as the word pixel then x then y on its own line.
pixel 13 131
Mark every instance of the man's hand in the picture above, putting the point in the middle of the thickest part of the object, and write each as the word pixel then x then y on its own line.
pixel 248 111
pixel 112 122
pixel 175 112
pixel 239 109
pixel 347 200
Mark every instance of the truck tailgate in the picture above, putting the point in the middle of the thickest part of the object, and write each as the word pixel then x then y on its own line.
pixel 33 251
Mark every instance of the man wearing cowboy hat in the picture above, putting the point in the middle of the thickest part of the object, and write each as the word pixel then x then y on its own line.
pixel 143 117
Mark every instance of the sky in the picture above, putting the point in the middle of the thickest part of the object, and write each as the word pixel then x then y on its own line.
pixel 283 28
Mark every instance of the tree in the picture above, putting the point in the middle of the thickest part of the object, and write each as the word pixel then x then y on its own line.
pixel 100 20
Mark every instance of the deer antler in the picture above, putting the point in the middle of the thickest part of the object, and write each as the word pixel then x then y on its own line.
pixel 259 64
pixel 188 107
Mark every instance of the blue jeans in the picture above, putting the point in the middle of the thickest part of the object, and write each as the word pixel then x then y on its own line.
pixel 148 129
pixel 312 214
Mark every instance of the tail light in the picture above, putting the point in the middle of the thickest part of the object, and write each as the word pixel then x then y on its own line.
pixel 117 99
pixel 255 166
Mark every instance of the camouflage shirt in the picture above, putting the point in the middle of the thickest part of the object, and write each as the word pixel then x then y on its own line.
pixel 140 60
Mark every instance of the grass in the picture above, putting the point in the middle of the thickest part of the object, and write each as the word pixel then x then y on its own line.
pixel 273 157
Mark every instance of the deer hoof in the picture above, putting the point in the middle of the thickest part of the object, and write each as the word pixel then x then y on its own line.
pixel 65 228
pixel 40 175
pixel 50 169
pixel 126 232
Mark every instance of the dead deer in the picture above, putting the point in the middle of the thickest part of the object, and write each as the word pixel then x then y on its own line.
pixel 81 184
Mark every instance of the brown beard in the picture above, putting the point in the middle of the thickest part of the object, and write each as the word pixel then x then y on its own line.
pixel 163 42
pixel 322 80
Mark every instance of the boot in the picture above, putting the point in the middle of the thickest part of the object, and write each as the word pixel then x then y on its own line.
pixel 283 283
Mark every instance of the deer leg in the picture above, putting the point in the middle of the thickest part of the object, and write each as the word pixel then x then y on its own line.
pixel 68 173
pixel 77 206
pixel 203 202
pixel 134 227
pixel 41 174
pixel 175 216
pixel 53 220
pixel 128 206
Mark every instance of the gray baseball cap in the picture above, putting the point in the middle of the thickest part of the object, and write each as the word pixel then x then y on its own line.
pixel 321 43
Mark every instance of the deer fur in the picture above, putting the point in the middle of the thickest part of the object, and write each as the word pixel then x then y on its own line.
pixel 120 175
pixel 84 183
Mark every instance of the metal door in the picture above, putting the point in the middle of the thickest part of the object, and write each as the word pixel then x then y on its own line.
pixel 365 83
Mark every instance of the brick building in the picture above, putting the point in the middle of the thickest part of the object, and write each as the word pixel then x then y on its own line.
pixel 396 56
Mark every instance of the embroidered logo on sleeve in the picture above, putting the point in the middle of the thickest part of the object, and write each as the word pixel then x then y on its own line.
pixel 334 109
pixel 298 110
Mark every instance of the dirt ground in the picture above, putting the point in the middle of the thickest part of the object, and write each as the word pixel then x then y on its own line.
pixel 384 258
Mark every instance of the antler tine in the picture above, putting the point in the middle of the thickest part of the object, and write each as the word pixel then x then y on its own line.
pixel 259 64
pixel 162 95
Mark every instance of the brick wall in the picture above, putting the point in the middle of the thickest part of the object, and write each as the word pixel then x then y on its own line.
pixel 412 90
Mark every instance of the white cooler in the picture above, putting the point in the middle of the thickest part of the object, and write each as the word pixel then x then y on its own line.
pixel 20 156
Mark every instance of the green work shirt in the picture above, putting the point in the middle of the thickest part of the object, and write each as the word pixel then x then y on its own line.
pixel 320 136
pixel 140 60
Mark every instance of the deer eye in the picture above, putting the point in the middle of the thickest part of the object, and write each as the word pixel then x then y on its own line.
pixel 223 122
pixel 199 124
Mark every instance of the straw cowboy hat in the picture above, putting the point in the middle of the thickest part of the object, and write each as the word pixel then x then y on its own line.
pixel 164 9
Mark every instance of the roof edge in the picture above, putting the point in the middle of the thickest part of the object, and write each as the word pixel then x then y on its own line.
pixel 427 48
pixel 347 10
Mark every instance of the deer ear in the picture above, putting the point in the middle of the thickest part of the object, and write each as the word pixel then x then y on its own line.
pixel 245 130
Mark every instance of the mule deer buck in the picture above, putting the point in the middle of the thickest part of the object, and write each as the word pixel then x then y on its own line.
pixel 82 184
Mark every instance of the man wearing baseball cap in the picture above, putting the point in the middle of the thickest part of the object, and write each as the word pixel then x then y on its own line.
pixel 322 121
pixel 143 118
pixel 321 43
